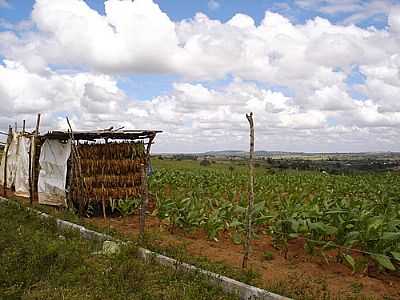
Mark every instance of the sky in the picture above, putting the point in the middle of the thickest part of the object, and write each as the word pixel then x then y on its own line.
pixel 319 75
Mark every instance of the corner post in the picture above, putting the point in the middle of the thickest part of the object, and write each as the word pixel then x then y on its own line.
pixel 33 161
pixel 9 140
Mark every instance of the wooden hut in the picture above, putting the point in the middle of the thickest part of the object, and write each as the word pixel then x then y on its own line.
pixel 103 165
pixel 88 169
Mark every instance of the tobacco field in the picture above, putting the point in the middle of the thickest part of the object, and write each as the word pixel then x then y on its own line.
pixel 357 216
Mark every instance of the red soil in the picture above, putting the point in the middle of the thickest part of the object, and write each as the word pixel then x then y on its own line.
pixel 299 270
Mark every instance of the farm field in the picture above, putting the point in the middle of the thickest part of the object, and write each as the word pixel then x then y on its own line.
pixel 336 221
pixel 328 211
pixel 37 262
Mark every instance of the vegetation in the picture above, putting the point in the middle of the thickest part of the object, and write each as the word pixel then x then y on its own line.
pixel 214 197
pixel 353 214
pixel 39 263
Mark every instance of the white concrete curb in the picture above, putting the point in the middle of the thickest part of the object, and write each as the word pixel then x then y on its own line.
pixel 229 285
pixel 245 291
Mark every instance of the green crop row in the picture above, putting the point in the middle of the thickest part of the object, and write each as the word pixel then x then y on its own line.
pixel 341 212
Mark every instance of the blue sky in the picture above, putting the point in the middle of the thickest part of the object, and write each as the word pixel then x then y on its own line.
pixel 176 9
pixel 182 9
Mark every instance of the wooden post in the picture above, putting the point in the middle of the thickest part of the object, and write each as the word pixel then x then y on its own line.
pixel 30 174
pixel 9 140
pixel 103 202
pixel 247 246
pixel 151 138
pixel 145 189
pixel 34 162
pixel 144 202
pixel 78 170
pixel 23 127
pixel 71 174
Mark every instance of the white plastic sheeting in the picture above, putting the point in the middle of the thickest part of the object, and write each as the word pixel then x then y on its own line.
pixel 3 161
pixel 11 162
pixel 53 172
pixel 22 167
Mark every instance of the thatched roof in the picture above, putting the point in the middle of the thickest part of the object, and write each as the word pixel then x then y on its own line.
pixel 102 134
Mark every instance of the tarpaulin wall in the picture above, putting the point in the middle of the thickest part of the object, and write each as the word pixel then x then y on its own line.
pixel 53 160
pixel 22 167
pixel 17 165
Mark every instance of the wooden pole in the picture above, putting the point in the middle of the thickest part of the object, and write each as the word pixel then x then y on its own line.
pixel 30 174
pixel 34 162
pixel 103 202
pixel 37 125
pixel 70 173
pixel 74 161
pixel 9 140
pixel 145 189
pixel 23 127
pixel 247 246
pixel 151 138
pixel 77 164
pixel 144 202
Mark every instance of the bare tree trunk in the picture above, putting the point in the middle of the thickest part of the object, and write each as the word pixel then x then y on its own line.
pixel 145 200
pixel 247 245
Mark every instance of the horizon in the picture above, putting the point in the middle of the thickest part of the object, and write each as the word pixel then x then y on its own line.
pixel 276 151
pixel 314 72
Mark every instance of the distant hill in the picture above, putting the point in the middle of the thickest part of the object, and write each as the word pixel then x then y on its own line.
pixel 223 154
pixel 244 153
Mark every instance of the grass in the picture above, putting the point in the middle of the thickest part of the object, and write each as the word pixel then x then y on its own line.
pixel 39 263
pixel 151 242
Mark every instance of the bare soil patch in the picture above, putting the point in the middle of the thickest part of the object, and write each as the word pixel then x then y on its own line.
pixel 299 271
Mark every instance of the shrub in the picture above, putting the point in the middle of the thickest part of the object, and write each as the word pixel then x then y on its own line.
pixel 205 163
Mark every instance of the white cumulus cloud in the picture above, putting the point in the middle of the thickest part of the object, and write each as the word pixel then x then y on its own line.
pixel 295 77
